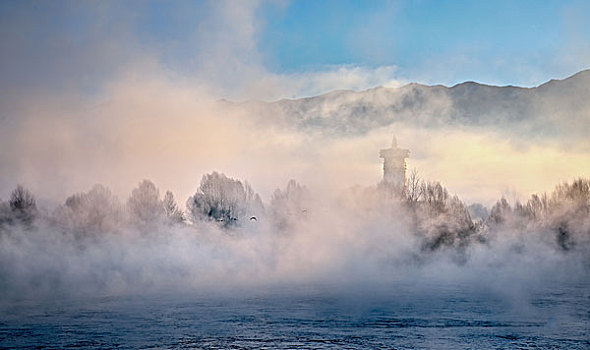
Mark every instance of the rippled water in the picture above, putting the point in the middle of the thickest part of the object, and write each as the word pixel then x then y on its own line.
pixel 398 316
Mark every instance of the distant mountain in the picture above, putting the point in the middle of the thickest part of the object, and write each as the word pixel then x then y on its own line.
pixel 557 107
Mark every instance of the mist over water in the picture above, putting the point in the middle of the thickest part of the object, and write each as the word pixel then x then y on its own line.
pixel 320 289
pixel 147 201
pixel 334 259
pixel 318 265
pixel 94 245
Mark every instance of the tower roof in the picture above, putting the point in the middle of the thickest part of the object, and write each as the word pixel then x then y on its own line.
pixel 394 151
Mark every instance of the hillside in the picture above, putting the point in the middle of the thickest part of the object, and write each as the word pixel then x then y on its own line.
pixel 555 108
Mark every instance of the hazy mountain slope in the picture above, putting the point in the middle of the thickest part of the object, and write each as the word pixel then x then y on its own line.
pixel 558 106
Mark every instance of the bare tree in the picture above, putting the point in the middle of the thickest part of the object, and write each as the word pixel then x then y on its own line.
pixel 22 204
pixel 414 187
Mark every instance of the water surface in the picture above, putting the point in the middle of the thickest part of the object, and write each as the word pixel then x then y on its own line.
pixel 400 316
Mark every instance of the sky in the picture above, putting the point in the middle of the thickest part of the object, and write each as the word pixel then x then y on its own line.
pixel 116 91
pixel 499 42
pixel 232 46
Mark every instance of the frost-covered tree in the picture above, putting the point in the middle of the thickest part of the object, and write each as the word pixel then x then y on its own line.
pixel 144 205
pixel 445 221
pixel 435 197
pixel 225 200
pixel 289 205
pixel 96 211
pixel 500 213
pixel 171 210
pixel 568 214
pixel 564 214
pixel 439 219
pixel 536 207
pixel 478 211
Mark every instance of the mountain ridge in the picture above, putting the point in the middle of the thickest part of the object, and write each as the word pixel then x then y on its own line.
pixel 559 106
pixel 584 72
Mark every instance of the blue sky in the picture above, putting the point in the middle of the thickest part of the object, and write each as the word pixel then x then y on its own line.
pixel 315 46
pixel 503 42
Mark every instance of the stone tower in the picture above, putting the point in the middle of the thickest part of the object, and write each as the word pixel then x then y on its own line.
pixel 394 165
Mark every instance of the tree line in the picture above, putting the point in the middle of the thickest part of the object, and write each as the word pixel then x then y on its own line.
pixel 438 219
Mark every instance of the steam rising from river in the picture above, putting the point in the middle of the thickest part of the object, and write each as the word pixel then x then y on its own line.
pixel 149 127
pixel 360 238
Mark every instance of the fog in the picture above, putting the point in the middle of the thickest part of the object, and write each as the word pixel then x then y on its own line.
pixel 347 230
pixel 95 244
pixel 173 133
pixel 106 108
